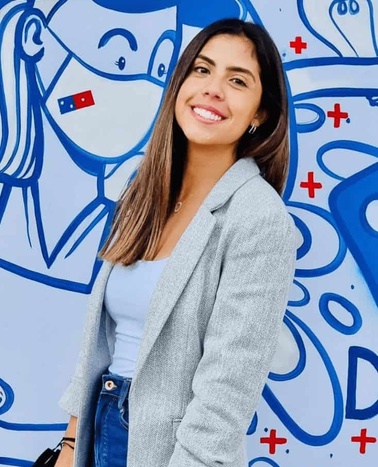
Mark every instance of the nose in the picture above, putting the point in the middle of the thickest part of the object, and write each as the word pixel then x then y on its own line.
pixel 214 88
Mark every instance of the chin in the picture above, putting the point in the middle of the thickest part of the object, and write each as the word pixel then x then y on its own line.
pixel 197 137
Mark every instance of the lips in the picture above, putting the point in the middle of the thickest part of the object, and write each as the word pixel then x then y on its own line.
pixel 208 113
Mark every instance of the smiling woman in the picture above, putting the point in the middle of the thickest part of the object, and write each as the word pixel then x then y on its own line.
pixel 221 96
pixel 185 357
pixel 228 85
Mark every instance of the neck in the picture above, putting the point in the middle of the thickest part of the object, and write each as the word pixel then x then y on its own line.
pixel 204 167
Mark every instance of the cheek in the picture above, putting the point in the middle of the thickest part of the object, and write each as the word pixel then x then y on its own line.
pixel 248 108
pixel 180 103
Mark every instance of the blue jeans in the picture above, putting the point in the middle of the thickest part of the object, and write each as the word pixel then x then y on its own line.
pixel 112 422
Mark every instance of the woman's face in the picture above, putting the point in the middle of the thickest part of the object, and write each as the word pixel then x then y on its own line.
pixel 221 96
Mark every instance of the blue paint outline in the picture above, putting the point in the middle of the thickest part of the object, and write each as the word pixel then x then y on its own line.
pixel 364 220
pixel 305 21
pixel 169 35
pixel 312 126
pixel 253 425
pixel 336 25
pixel 263 459
pixel 351 412
pixel 350 145
pixel 9 396
pixel 300 366
pixel 342 250
pixel 351 241
pixel 129 36
pixel 306 296
pixel 324 302
pixel 338 416
pixel 15 462
pixel 299 64
pixel 64 284
pixel 306 235
pixel 293 147
pixel 32 426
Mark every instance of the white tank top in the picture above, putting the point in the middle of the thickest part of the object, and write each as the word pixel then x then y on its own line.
pixel 127 297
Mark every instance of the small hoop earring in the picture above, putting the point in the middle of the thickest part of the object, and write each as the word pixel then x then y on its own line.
pixel 252 129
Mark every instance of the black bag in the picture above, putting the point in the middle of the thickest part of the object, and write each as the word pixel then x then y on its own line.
pixel 49 457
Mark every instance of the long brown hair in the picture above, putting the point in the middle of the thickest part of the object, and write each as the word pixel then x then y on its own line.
pixel 144 206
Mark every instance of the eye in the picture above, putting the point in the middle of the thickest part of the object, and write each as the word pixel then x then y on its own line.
pixel 121 63
pixel 201 70
pixel 160 60
pixel 239 82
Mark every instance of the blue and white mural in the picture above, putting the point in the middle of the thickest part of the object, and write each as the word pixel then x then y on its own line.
pixel 81 82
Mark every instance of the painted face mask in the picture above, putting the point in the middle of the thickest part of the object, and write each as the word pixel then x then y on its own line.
pixel 105 96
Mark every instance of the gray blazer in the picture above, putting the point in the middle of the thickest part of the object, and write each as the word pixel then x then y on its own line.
pixel 210 335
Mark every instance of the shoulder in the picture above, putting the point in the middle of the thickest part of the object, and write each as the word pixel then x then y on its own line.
pixel 257 203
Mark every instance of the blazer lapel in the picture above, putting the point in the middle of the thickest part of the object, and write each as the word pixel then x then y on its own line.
pixel 187 253
pixel 174 277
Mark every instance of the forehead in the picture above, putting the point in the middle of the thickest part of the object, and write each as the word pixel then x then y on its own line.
pixel 230 49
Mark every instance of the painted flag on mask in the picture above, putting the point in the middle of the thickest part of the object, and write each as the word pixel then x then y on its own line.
pixel 76 102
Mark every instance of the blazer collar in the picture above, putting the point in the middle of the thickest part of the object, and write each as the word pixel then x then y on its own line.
pixel 239 173
pixel 186 255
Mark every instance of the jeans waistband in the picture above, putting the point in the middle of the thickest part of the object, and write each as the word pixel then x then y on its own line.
pixel 116 386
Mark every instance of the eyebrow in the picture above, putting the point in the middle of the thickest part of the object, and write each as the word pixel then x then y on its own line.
pixel 236 69
pixel 129 36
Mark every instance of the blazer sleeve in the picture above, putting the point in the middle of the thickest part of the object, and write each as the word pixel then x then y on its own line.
pixel 94 334
pixel 240 341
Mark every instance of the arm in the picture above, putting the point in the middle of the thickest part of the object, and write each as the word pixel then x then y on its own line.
pixel 66 455
pixel 240 341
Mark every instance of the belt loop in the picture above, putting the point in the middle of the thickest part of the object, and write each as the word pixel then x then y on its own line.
pixel 124 393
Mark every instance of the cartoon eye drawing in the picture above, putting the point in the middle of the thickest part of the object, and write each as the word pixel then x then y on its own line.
pixel 161 70
pixel 121 63
pixel 161 57
pixel 125 34
pixel 344 8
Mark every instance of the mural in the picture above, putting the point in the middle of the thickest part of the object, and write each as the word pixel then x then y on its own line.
pixel 75 118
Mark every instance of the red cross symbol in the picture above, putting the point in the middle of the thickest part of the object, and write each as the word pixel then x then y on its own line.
pixel 363 439
pixel 298 45
pixel 337 115
pixel 272 440
pixel 311 185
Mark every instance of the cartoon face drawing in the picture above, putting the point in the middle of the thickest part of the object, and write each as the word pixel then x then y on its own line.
pixel 89 79
pixel 105 89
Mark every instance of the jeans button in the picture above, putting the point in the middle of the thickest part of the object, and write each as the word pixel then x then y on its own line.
pixel 109 385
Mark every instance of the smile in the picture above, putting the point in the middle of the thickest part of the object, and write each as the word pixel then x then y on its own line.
pixel 207 114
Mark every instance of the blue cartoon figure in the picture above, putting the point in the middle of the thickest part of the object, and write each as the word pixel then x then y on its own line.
pixel 78 110
pixel 78 96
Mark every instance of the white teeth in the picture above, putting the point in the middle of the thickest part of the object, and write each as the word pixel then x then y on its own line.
pixel 207 114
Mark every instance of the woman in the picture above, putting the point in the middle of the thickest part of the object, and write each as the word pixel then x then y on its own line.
pixel 204 227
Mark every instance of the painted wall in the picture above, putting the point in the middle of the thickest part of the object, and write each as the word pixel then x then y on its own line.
pixel 81 82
